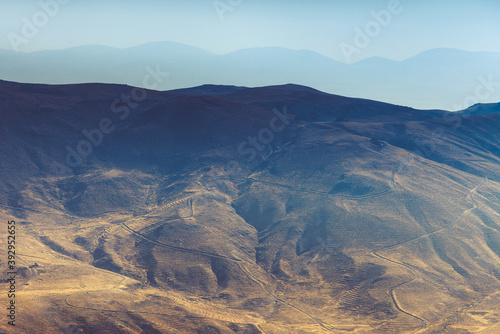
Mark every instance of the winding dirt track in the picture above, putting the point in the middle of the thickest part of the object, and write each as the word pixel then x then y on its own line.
pixel 415 274
pixel 202 313
pixel 392 185
pixel 180 249
pixel 241 265
pixel 239 262
pixel 310 191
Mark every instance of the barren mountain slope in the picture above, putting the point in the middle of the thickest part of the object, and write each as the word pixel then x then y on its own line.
pixel 234 210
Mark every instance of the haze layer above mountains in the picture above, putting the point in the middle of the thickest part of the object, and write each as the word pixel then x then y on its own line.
pixel 442 78
pixel 223 209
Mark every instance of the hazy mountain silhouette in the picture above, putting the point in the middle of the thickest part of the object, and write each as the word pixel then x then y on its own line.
pixel 226 209
pixel 441 78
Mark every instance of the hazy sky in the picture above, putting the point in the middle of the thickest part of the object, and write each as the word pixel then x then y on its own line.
pixel 324 26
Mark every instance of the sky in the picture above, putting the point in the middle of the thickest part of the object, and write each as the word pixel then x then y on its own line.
pixel 347 31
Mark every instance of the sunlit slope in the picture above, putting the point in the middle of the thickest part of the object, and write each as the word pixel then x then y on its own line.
pixel 343 215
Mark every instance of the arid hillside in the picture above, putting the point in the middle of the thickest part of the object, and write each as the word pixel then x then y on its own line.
pixel 223 209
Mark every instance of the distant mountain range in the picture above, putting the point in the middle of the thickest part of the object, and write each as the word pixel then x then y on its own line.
pixel 446 79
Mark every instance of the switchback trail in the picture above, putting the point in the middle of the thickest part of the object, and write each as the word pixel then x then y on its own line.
pixel 238 262
pixel 177 248
pixel 189 203
pixel 391 189
pixel 397 169
pixel 329 328
pixel 415 274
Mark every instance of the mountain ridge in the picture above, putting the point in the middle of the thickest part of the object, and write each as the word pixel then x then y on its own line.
pixel 231 209
pixel 440 78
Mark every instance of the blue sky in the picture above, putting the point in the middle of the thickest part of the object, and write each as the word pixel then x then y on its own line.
pixel 323 26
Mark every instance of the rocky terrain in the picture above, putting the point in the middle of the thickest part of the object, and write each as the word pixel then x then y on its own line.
pixel 222 209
